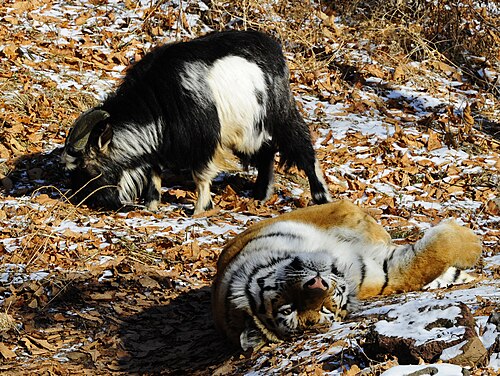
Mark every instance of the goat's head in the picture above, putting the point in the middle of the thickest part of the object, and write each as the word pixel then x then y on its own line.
pixel 94 176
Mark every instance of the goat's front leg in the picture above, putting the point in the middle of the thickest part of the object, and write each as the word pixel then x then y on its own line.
pixel 203 180
pixel 152 192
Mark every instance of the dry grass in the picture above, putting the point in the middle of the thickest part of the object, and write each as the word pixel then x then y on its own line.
pixel 7 322
pixel 462 32
pixel 296 23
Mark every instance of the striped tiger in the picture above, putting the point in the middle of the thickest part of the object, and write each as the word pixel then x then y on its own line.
pixel 304 269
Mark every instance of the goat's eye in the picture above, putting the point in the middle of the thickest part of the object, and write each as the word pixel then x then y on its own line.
pixel 286 310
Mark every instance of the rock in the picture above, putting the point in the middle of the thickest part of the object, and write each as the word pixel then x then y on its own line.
pixel 470 353
pixel 429 330
pixel 426 370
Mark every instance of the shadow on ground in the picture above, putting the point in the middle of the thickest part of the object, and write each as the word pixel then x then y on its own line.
pixel 178 338
pixel 41 172
pixel 44 173
pixel 489 127
pixel 73 321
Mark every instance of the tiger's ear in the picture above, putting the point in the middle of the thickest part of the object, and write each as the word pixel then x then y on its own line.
pixel 252 338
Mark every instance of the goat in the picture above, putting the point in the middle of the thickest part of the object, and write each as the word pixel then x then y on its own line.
pixel 192 105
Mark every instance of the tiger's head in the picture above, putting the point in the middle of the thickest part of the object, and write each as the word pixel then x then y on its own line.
pixel 293 295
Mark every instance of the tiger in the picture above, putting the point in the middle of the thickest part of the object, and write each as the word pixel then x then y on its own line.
pixel 307 268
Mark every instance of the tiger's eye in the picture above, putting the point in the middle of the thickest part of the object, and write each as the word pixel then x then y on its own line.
pixel 286 310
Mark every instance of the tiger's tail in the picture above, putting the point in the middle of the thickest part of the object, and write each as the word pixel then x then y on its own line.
pixel 436 260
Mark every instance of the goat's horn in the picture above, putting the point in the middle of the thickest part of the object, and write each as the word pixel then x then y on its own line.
pixel 79 135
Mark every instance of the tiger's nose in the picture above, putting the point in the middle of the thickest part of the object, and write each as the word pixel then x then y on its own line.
pixel 316 283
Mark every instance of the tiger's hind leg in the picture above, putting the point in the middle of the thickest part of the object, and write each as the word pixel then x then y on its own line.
pixel 445 246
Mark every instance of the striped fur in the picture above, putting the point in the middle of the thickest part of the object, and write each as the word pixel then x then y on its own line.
pixel 309 267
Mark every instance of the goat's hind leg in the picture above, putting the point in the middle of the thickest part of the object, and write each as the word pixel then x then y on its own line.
pixel 319 190
pixel 295 147
pixel 264 161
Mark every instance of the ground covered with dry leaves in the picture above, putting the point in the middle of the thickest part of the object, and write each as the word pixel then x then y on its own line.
pixel 404 107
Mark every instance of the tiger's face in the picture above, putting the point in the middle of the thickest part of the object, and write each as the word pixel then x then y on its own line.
pixel 275 283
pixel 306 292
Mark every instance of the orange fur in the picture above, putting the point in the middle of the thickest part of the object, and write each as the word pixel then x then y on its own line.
pixel 334 214
pixel 457 246
pixel 453 246
pixel 386 269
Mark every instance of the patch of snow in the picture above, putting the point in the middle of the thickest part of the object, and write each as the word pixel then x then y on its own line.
pixel 61 355
pixel 486 331
pixel 10 244
pixel 383 188
pixel 38 276
pixel 412 318
pixel 107 274
pixel 420 101
pixel 452 352
pixel 495 362
pixel 492 261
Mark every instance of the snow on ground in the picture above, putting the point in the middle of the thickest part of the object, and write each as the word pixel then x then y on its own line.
pixel 379 159
pixel 399 311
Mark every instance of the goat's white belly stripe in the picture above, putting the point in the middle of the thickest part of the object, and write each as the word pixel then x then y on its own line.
pixel 236 85
pixel 131 184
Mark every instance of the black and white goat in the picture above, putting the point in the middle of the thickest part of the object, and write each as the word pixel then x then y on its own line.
pixel 192 105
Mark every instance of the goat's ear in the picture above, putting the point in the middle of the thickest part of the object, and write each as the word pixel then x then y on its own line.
pixel 105 138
